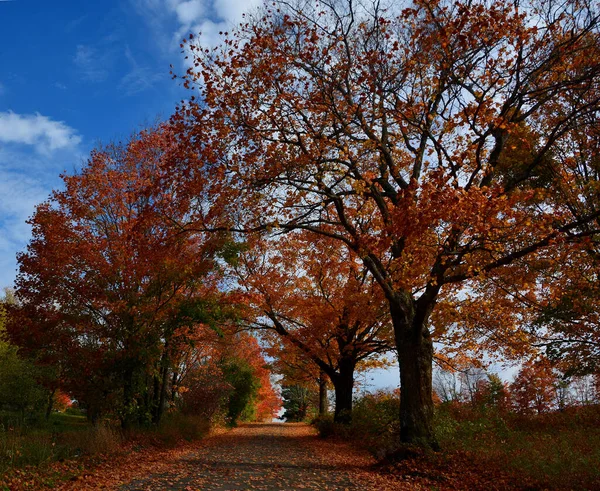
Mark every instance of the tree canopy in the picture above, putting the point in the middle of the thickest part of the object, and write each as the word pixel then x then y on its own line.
pixel 434 140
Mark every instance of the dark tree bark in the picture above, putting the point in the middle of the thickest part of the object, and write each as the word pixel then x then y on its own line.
pixel 163 392
pixel 415 356
pixel 343 383
pixel 50 403
pixel 322 394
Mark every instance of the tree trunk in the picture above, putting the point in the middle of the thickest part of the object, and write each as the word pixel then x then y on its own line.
pixel 174 386
pixel 50 403
pixel 322 394
pixel 163 394
pixel 128 392
pixel 415 356
pixel 343 383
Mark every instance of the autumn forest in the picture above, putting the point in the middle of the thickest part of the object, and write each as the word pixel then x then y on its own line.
pixel 348 184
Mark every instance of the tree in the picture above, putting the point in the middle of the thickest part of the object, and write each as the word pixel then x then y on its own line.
pixel 296 369
pixel 534 388
pixel 321 304
pixel 19 387
pixel 252 397
pixel 387 132
pixel 107 280
pixel 296 402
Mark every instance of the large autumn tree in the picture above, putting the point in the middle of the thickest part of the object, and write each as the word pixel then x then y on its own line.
pixel 107 282
pixel 401 135
pixel 320 303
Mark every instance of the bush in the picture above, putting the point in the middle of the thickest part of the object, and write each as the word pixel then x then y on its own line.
pixel 325 426
pixel 375 423
pixel 175 427
pixel 100 439
pixel 240 375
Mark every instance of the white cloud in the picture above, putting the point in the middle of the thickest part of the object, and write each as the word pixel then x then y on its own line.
pixel 19 194
pixel 189 12
pixel 34 149
pixel 232 10
pixel 90 63
pixel 38 131
pixel 192 16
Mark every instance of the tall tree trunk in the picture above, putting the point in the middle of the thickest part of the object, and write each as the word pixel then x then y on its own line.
pixel 415 356
pixel 163 393
pixel 343 383
pixel 322 393
pixel 174 386
pixel 50 403
pixel 128 391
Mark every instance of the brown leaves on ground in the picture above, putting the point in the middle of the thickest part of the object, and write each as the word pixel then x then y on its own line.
pixel 135 459
pixel 266 457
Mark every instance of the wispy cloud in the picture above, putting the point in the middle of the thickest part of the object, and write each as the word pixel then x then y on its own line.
pixel 189 12
pixel 75 23
pixel 38 131
pixel 90 63
pixel 139 78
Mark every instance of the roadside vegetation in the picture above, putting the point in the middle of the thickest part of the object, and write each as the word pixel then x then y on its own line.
pixel 490 438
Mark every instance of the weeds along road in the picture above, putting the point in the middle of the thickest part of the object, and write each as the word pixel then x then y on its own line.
pixel 268 457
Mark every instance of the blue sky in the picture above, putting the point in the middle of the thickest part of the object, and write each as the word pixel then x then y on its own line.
pixel 73 74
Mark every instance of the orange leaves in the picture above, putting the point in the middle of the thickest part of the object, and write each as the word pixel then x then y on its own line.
pixel 108 276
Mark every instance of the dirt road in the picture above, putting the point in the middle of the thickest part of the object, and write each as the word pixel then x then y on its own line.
pixel 269 457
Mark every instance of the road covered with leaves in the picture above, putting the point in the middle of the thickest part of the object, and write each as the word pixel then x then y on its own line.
pixel 268 456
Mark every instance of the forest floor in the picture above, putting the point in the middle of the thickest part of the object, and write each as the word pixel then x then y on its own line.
pixel 269 456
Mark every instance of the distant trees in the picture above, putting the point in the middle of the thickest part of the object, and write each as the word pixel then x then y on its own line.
pixel 296 402
pixel 20 389
pixel 321 305
pixel 538 387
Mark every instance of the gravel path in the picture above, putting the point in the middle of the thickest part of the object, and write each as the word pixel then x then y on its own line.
pixel 268 457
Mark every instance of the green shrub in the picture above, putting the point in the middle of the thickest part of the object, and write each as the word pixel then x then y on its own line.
pixel 376 422
pixel 240 375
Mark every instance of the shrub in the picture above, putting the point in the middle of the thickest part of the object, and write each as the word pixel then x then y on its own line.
pixel 325 426
pixel 175 427
pixel 100 439
pixel 375 423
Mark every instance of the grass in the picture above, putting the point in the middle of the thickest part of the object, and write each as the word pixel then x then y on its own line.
pixel 484 448
pixel 35 441
pixel 556 450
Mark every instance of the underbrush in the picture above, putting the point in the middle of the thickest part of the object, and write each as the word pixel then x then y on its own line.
pixel 375 424
pixel 483 447
pixel 556 450
pixel 174 428
pixel 36 442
